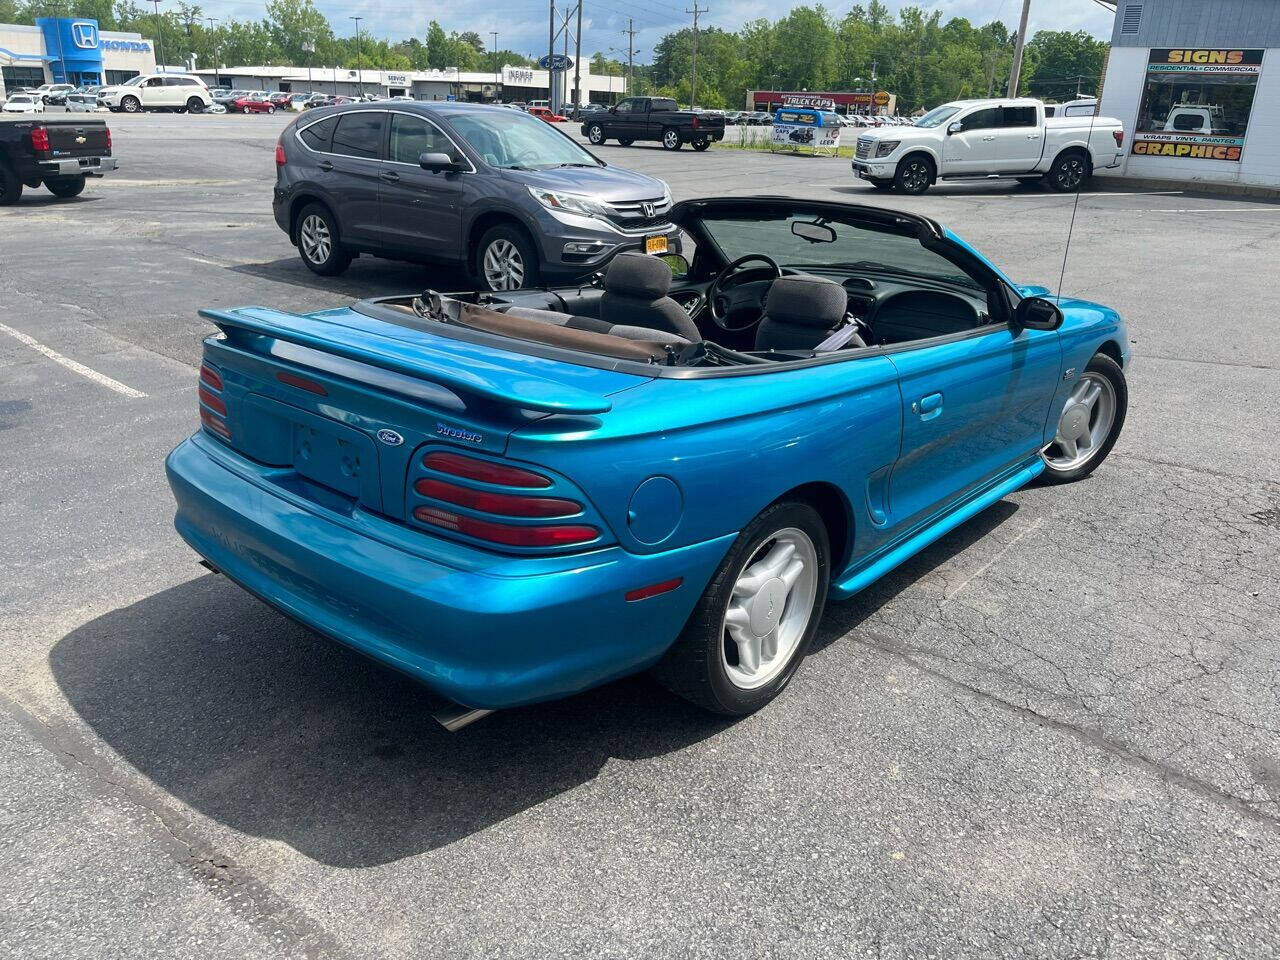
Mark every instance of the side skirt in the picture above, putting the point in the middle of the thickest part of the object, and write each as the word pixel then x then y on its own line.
pixel 872 571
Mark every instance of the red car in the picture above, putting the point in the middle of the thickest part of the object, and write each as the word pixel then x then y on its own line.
pixel 281 100
pixel 543 113
pixel 254 103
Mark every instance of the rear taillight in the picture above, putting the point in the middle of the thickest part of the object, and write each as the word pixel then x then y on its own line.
pixel 485 471
pixel 40 138
pixel 501 504
pixel 280 158
pixel 213 409
pixel 695 121
pixel 1119 135
pixel 107 131
pixel 509 535
pixel 455 504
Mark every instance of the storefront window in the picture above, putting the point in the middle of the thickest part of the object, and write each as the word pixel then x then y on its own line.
pixel 120 76
pixel 15 77
pixel 1196 103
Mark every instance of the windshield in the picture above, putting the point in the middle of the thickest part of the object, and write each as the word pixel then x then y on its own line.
pixel 518 141
pixel 849 247
pixel 132 82
pixel 938 115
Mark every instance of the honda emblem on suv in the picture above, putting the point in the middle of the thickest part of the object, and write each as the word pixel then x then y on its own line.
pixel 647 209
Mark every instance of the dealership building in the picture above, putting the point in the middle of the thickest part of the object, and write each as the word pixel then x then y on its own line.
pixel 69 50
pixel 1196 84
pixel 863 102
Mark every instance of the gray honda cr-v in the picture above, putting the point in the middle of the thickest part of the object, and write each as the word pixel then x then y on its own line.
pixel 499 192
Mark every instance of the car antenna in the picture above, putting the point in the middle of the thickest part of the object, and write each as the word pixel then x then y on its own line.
pixel 1075 204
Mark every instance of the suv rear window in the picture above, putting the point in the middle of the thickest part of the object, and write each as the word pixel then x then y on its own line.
pixel 358 134
pixel 318 135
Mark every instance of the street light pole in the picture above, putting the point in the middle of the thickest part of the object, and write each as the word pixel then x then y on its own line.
pixel 359 71
pixel 309 48
pixel 1015 70
pixel 217 78
pixel 159 36
pixel 497 79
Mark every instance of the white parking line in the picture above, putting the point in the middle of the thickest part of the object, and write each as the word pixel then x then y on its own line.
pixel 73 365
pixel 1272 209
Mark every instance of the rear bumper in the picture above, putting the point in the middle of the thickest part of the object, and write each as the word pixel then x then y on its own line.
pixel 484 630
pixel 77 165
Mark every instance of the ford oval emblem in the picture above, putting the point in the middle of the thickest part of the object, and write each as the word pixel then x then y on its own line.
pixel 390 438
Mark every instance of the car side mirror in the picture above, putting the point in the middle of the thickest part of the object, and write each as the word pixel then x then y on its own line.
pixel 437 163
pixel 955 128
pixel 679 264
pixel 1036 313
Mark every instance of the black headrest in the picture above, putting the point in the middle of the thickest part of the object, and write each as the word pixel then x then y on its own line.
pixel 807 302
pixel 638 275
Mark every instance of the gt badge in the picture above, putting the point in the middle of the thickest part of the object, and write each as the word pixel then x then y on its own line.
pixel 390 438
pixel 1068 373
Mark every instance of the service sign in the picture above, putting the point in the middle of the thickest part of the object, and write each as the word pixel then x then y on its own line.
pixel 517 76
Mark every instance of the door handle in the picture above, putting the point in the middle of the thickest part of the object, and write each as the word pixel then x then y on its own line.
pixel 390 176
pixel 1033 136
pixel 325 165
pixel 928 407
pixel 989 138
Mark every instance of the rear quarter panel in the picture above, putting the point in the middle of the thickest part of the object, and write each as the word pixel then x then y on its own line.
pixel 732 445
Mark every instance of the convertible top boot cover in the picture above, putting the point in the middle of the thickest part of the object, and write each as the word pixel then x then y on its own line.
pixel 635 295
pixel 800 313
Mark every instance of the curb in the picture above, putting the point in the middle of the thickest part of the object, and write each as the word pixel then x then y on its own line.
pixel 1103 183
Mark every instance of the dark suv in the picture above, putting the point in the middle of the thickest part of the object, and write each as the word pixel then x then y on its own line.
pixel 496 191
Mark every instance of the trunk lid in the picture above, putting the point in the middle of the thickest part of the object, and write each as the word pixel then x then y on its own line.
pixel 342 405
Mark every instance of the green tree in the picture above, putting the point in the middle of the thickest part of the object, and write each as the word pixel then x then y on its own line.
pixel 1063 63
pixel 292 24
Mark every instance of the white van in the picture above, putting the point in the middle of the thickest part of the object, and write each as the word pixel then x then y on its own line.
pixel 182 92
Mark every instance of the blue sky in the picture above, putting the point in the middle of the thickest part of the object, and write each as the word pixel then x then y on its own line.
pixel 522 24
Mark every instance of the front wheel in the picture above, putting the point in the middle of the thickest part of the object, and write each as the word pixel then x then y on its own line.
pixel 756 619
pixel 595 133
pixel 1089 422
pixel 271 109
pixel 701 144
pixel 914 175
pixel 131 105
pixel 670 139
pixel 506 259
pixel 10 186
pixel 66 187
pixel 1069 172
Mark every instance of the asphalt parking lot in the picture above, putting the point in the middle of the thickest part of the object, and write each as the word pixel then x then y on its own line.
pixel 1056 733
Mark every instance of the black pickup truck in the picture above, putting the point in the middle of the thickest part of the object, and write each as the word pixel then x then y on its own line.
pixel 654 118
pixel 59 153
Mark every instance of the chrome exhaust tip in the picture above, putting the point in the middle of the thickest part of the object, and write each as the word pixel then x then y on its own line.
pixel 454 716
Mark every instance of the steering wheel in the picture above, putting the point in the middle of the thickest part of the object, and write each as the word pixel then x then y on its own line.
pixel 729 300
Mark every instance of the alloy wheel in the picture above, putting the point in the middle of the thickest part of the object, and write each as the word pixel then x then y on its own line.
pixel 769 609
pixel 503 266
pixel 916 176
pixel 315 239
pixel 1070 173
pixel 594 134
pixel 671 140
pixel 1084 425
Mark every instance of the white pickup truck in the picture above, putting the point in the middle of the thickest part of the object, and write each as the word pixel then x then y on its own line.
pixel 977 139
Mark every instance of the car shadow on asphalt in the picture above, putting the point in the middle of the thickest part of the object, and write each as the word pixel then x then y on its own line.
pixel 366 277
pixel 277 732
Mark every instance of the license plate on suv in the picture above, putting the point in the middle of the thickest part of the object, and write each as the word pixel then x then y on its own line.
pixel 656 244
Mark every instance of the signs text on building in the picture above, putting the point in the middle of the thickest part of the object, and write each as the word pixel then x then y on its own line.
pixel 1181 60
pixel 811 102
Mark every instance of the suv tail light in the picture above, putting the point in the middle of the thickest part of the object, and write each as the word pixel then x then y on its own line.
pixel 213 409
pixel 503 509
pixel 280 159
pixel 1119 135
pixel 40 138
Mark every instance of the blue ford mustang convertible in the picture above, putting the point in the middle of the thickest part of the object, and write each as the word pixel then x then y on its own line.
pixel 516 496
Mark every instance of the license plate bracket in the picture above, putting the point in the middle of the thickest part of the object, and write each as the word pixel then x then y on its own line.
pixel 655 243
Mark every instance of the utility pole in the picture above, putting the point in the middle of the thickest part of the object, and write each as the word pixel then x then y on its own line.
pixel 159 37
pixel 631 53
pixel 693 85
pixel 217 80
pixel 1015 70
pixel 496 72
pixel 551 52
pixel 564 76
pixel 310 49
pixel 359 72
pixel 577 62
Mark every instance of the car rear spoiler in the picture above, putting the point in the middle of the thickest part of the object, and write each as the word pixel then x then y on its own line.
pixel 459 373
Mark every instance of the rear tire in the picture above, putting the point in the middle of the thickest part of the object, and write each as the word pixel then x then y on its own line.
pixel 195 105
pixel 914 175
pixel 66 187
pixel 271 109
pixel 10 186
pixel 702 144
pixel 671 139
pixel 320 242
pixel 707 664
pixel 1069 172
